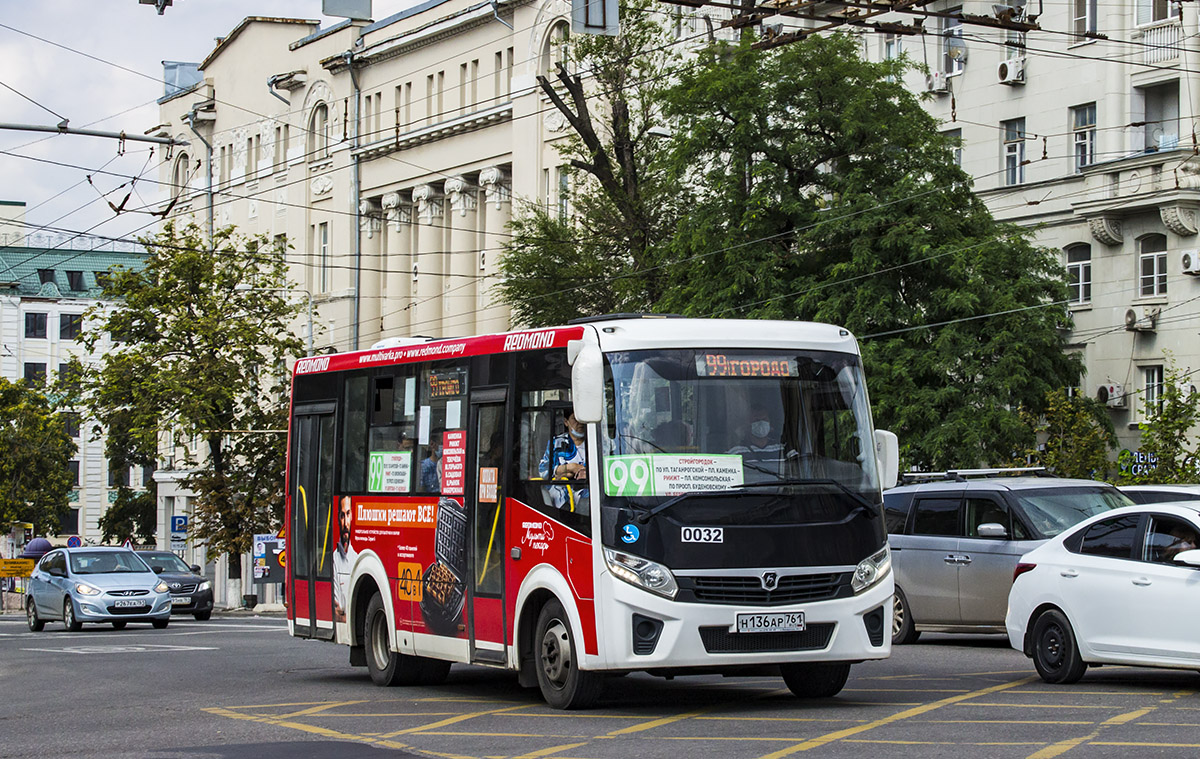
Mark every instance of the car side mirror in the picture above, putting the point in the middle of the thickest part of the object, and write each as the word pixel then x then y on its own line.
pixel 1190 558
pixel 991 530
pixel 58 572
pixel 157 570
pixel 195 568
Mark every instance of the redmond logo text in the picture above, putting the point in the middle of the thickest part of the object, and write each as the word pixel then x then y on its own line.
pixel 529 341
pixel 308 365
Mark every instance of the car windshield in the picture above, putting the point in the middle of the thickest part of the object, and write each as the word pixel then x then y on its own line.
pixel 106 562
pixel 1052 510
pixel 698 421
pixel 165 562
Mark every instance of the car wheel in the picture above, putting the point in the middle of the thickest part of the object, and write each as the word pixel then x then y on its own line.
pixel 817 680
pixel 203 616
pixel 119 624
pixel 160 624
pixel 36 624
pixel 563 684
pixel 69 621
pixel 1055 651
pixel 387 667
pixel 903 629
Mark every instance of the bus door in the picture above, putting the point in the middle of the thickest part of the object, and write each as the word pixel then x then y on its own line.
pixel 490 460
pixel 313 530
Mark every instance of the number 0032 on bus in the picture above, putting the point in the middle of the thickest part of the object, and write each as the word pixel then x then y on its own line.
pixel 760 623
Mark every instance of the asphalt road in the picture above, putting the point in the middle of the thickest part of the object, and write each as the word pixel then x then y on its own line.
pixel 240 687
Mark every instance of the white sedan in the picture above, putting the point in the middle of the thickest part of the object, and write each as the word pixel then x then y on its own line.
pixel 1122 587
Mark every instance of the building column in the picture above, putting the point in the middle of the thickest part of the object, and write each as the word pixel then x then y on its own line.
pixel 430 250
pixel 458 289
pixel 398 277
pixel 490 315
pixel 370 277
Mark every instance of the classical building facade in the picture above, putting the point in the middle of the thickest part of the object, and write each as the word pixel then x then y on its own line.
pixel 47 283
pixel 1091 141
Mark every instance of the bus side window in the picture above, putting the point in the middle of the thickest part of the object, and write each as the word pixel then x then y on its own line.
pixel 441 408
pixel 354 435
pixel 393 432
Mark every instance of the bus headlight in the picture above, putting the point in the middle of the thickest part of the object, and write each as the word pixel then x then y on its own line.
pixel 871 570
pixel 643 573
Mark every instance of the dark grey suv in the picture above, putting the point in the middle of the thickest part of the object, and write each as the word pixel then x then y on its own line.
pixel 956 538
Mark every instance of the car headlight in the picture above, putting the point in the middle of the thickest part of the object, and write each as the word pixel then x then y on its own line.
pixel 86 590
pixel 871 570
pixel 161 587
pixel 643 573
pixel 206 585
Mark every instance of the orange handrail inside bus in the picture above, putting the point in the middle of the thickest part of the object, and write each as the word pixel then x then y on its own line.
pixel 491 540
pixel 304 498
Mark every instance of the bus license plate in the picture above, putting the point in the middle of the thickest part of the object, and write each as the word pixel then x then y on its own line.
pixel 180 600
pixel 762 623
pixel 125 603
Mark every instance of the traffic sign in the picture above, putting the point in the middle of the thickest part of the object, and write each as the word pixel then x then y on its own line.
pixel 16 567
pixel 74 541
pixel 179 523
pixel 128 543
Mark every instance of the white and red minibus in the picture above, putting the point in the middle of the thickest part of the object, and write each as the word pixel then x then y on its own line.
pixel 627 493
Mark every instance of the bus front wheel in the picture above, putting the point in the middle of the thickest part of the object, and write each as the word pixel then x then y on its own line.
pixel 387 667
pixel 563 684
pixel 816 680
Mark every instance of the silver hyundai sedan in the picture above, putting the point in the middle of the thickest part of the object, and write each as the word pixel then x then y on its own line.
pixel 108 585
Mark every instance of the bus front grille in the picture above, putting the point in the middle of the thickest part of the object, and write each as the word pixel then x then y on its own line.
pixel 748 590
pixel 718 640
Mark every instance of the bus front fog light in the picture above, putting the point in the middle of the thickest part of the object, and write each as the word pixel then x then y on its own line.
pixel 643 573
pixel 871 570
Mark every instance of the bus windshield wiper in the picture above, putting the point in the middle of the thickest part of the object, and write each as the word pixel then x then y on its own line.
pixel 646 516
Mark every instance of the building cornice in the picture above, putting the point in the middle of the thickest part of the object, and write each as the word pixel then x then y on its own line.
pixel 460 125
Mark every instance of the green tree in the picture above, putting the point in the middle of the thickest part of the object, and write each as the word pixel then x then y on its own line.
pixel 816 187
pixel 1167 431
pixel 199 359
pixel 603 254
pixel 1077 436
pixel 34 450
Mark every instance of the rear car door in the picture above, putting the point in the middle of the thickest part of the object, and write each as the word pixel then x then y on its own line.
pixel 985 571
pixel 930 559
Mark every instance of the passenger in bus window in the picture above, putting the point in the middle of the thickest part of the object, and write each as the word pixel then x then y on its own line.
pixel 343 559
pixel 566 459
pixel 431 467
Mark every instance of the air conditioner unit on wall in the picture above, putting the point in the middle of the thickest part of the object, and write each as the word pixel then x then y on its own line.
pixel 1147 322
pixel 1190 261
pixel 1111 394
pixel 937 82
pixel 1011 71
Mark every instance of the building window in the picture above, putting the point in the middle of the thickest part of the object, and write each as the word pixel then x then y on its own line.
pixel 564 192
pixel 1161 104
pixel 281 146
pixel 1152 385
pixel 1152 265
pixel 35 325
pixel 69 525
pixel 1014 151
pixel 118 476
pixel 70 326
pixel 252 144
pixel 954 136
pixel 1084 18
pixel 952 42
pixel 69 376
pixel 1083 127
pixel 75 281
pixel 35 373
pixel 179 175
pixel 1079 273
pixel 324 265
pixel 554 50
pixel 318 133
pixel 46 276
pixel 1014 44
pixel 70 422
pixel 1153 11
pixel 73 469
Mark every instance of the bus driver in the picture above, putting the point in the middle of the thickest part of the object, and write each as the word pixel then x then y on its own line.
pixel 566 459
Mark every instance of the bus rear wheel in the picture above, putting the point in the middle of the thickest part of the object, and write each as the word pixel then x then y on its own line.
pixel 816 680
pixel 387 667
pixel 563 684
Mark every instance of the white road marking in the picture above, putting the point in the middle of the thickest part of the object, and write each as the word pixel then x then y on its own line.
pixel 131 649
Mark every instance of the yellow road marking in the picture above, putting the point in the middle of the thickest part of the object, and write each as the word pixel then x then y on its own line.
pixel 660 722
pixel 322 731
pixel 486 734
pixel 453 720
pixel 1062 747
pixel 897 717
pixel 939 743
pixel 390 714
pixel 1004 722
pixel 548 751
pixel 1159 745
pixel 782 719
pixel 1046 706
pixel 317 709
pixel 1065 691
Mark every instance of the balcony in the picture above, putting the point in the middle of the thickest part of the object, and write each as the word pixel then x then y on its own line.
pixel 1161 40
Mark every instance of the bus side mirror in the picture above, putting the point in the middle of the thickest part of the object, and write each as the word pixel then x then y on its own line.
pixel 587 377
pixel 887 458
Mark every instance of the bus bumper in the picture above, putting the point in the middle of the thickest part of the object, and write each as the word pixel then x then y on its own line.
pixel 641 630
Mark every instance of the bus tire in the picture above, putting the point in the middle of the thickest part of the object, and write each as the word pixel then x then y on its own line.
pixel 815 680
pixel 387 667
pixel 563 684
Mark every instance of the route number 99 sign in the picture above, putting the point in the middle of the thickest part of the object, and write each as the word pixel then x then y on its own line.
pixel 628 476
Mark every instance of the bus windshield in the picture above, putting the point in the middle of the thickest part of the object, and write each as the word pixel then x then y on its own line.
pixel 698 420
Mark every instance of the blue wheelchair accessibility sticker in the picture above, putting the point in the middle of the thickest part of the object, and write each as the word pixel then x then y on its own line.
pixel 630 533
